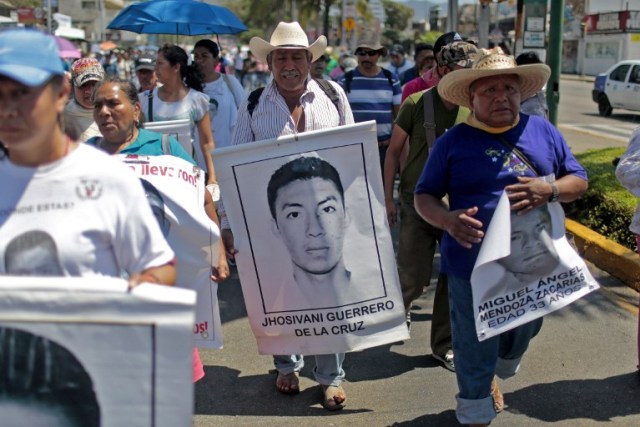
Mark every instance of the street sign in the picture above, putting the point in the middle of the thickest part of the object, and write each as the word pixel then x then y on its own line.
pixel 349 24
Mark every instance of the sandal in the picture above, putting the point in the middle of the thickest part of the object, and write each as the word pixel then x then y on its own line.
pixel 334 397
pixel 288 383
pixel 498 399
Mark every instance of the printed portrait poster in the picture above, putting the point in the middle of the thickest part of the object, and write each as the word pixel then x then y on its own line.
pixel 526 268
pixel 315 255
pixel 86 352
pixel 175 190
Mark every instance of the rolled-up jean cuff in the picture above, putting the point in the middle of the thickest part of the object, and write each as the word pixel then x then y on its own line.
pixel 475 411
pixel 507 368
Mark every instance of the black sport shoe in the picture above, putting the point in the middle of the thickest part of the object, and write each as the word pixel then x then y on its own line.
pixel 446 361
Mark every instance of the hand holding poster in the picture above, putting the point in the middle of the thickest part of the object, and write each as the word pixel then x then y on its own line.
pixel 526 268
pixel 175 191
pixel 315 256
pixel 86 352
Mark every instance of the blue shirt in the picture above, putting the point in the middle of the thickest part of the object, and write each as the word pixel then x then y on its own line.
pixel 149 143
pixel 473 167
pixel 373 98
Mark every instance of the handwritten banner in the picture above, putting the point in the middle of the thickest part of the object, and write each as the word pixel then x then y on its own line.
pixel 175 190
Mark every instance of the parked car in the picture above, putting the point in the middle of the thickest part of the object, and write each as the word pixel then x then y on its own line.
pixel 619 87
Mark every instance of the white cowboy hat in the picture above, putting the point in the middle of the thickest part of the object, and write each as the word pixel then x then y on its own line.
pixel 454 87
pixel 287 35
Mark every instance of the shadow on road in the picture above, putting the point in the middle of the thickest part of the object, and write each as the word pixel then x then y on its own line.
pixel 573 399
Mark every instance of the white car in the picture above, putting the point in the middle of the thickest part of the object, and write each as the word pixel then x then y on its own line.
pixel 619 87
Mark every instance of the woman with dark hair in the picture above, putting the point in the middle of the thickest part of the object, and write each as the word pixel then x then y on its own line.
pixel 91 205
pixel 181 97
pixel 225 92
pixel 117 113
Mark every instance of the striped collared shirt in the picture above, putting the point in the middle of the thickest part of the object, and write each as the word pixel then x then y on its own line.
pixel 271 117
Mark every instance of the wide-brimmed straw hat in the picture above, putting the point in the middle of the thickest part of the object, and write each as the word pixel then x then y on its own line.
pixel 454 87
pixel 371 40
pixel 287 35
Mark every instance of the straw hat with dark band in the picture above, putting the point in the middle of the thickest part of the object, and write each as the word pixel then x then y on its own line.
pixel 454 87
pixel 287 35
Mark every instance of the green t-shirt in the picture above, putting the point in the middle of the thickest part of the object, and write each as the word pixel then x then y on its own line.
pixel 411 119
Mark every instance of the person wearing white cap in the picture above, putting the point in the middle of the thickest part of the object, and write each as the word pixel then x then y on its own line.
pixel 496 149
pixel 291 103
pixel 90 205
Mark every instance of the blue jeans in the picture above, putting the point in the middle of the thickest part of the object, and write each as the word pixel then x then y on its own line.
pixel 477 362
pixel 328 370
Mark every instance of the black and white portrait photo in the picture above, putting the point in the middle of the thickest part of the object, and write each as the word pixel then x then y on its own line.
pixel 309 232
pixel 526 268
pixel 43 384
pixel 314 251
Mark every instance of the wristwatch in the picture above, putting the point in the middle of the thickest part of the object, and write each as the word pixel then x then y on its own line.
pixel 555 194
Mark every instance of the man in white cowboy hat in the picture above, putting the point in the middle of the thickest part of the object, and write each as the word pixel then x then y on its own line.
pixel 497 149
pixel 373 92
pixel 417 238
pixel 291 103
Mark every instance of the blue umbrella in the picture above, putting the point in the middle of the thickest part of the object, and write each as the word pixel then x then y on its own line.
pixel 180 17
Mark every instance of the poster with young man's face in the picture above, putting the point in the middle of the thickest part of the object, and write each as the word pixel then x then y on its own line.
pixel 85 352
pixel 315 256
pixel 526 268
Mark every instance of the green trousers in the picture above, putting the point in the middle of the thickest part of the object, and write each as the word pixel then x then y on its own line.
pixel 416 249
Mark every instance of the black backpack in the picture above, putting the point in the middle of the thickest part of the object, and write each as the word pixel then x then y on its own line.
pixel 329 90
pixel 348 76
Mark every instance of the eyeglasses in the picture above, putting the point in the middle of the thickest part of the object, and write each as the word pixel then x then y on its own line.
pixel 368 53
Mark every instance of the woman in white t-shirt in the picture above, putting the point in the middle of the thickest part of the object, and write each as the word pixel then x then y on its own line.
pixel 181 97
pixel 66 209
pixel 225 92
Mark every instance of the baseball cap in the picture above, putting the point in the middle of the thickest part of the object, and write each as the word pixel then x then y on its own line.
pixel 458 53
pixel 29 57
pixel 445 39
pixel 86 70
pixel 397 49
pixel 145 62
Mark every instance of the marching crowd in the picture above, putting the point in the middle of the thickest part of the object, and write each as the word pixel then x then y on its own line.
pixel 436 118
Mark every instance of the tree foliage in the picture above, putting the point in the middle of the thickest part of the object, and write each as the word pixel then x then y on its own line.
pixel 398 15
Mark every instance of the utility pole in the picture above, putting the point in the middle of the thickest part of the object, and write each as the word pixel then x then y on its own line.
pixel 483 25
pixel 452 21
pixel 555 58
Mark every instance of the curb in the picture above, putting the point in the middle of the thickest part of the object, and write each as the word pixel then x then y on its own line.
pixel 608 255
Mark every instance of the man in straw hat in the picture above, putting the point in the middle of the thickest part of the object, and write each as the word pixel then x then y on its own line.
pixel 373 92
pixel 473 163
pixel 291 103
pixel 417 238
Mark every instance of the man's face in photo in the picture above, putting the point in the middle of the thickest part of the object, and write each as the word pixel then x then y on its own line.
pixel 532 249
pixel 311 221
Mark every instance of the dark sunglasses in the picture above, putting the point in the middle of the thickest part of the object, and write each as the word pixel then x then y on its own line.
pixel 369 53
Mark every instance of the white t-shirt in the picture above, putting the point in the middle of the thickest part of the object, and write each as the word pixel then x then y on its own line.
pixel 223 108
pixel 85 214
pixel 193 107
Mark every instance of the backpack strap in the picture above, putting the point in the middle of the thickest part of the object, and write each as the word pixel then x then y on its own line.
pixel 166 145
pixel 429 118
pixel 150 108
pixel 388 75
pixel 227 80
pixel 348 76
pixel 253 98
pixel 330 91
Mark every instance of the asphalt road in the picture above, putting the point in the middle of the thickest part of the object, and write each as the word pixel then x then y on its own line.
pixel 580 370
